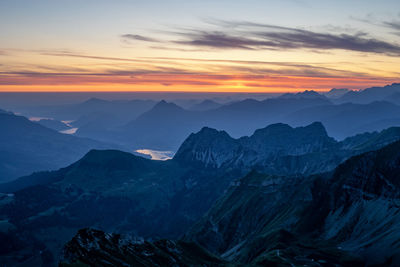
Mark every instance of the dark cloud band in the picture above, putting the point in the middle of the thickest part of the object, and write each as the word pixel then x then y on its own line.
pixel 255 36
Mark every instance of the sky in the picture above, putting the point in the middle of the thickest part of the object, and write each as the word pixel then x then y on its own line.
pixel 198 46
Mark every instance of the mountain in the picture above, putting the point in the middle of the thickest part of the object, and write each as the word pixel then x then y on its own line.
pixel 99 119
pixel 205 105
pixel 161 128
pixel 336 93
pixel 369 95
pixel 348 119
pixel 110 190
pixel 166 125
pixel 28 146
pixel 54 124
pixel 347 217
pixel 94 118
pixel 118 108
pixel 308 94
pixel 394 98
pixel 95 248
pixel 278 149
pixel 116 191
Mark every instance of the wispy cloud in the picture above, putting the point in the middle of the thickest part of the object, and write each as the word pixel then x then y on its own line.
pixel 394 25
pixel 137 37
pixel 256 36
pixel 247 35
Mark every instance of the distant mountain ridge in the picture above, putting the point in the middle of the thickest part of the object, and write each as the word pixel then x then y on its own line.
pixel 310 94
pixel 207 104
pixel 336 93
pixel 167 125
pixel 28 146
pixel 371 94
pixel 348 119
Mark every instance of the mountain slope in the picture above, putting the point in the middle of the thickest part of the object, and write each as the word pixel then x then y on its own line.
pixel 369 95
pixel 163 127
pixel 363 215
pixel 207 104
pixel 26 147
pixel 345 218
pixel 96 248
pixel 348 217
pixel 349 119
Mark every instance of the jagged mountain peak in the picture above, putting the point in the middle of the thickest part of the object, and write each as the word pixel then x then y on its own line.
pixel 208 145
pixel 311 94
pixel 164 104
pixel 336 92
pixel 217 148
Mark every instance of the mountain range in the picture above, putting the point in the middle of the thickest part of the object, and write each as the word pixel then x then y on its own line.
pixel 371 94
pixel 118 192
pixel 146 124
pixel 165 125
pixel 348 217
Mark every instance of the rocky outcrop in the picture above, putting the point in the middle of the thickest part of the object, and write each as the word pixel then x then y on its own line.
pixel 91 247
pixel 279 149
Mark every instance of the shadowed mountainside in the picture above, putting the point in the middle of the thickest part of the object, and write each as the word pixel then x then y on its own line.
pixel 343 218
pixel 27 146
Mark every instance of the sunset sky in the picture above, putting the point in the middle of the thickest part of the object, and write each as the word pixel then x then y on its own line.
pixel 203 46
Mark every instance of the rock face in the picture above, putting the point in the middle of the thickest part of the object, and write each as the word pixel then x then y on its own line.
pixel 279 149
pixel 346 217
pixel 364 196
pixel 91 247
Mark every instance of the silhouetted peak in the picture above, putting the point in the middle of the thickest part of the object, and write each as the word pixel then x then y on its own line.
pixel 95 100
pixel 309 94
pixel 207 139
pixel 164 105
pixel 336 92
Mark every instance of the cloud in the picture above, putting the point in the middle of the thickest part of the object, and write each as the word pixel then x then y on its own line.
pixel 247 35
pixel 136 37
pixel 394 25
pixel 254 36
